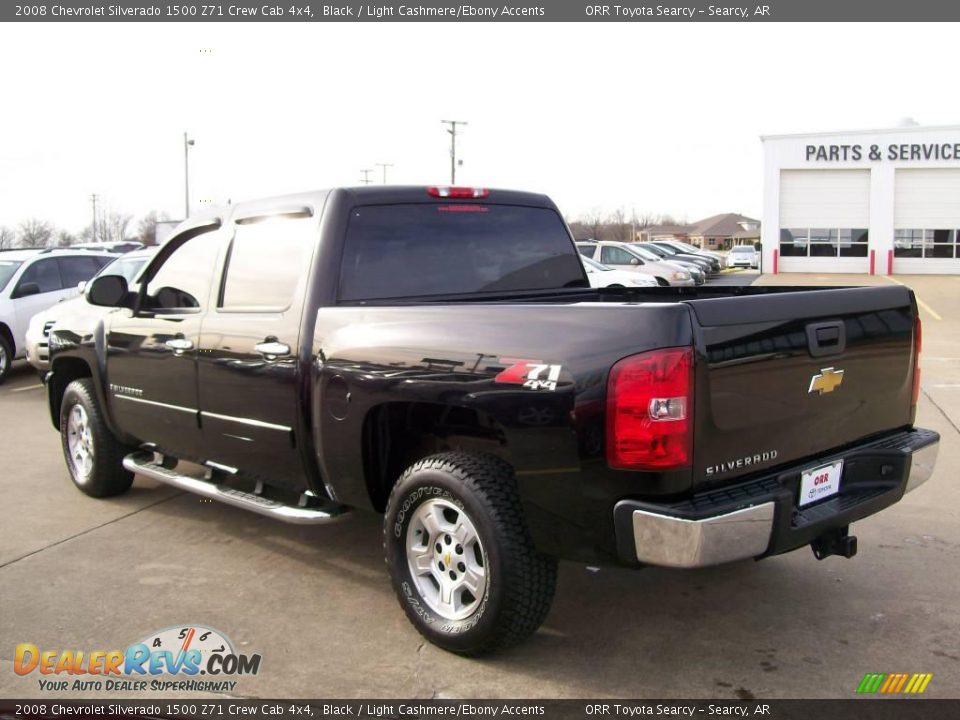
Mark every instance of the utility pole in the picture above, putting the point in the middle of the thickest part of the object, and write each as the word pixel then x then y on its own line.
pixel 366 175
pixel 187 144
pixel 384 166
pixel 453 146
pixel 93 200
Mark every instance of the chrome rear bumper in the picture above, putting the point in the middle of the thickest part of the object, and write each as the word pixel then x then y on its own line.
pixel 671 541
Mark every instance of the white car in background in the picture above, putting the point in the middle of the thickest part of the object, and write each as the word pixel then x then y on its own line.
pixel 743 256
pixel 631 257
pixel 601 276
pixel 38 353
pixel 33 280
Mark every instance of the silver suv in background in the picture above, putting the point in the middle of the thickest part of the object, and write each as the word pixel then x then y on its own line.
pixel 33 280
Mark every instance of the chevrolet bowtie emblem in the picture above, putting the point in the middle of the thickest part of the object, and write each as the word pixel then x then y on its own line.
pixel 827 380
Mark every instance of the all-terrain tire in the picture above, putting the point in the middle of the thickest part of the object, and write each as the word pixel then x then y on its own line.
pixel 518 581
pixel 94 456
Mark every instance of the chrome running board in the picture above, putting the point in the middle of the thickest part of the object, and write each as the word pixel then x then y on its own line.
pixel 149 465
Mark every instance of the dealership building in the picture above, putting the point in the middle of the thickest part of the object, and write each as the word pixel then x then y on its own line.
pixel 873 201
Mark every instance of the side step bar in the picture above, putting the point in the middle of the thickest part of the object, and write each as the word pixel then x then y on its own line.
pixel 149 465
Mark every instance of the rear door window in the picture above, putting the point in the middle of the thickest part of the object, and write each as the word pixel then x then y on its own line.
pixel 416 250
pixel 265 262
pixel 75 270
pixel 615 256
pixel 45 273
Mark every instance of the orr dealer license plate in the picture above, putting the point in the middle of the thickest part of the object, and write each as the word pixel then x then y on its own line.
pixel 820 483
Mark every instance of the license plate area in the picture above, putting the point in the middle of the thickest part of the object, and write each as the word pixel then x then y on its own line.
pixel 819 483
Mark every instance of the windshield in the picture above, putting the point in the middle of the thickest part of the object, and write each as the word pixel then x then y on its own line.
pixel 743 249
pixel 644 253
pixel 686 246
pixel 416 250
pixel 7 269
pixel 594 265
pixel 126 267
pixel 657 250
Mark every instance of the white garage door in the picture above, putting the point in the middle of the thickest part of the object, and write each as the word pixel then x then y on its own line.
pixel 927 199
pixel 926 221
pixel 824 202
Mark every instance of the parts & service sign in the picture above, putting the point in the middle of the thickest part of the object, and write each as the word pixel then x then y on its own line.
pixel 181 658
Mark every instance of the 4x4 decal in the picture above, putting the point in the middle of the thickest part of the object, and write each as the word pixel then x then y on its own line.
pixel 533 374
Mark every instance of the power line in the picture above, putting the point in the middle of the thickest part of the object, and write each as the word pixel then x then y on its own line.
pixel 453 146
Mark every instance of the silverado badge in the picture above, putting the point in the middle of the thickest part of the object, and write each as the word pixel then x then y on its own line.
pixel 827 380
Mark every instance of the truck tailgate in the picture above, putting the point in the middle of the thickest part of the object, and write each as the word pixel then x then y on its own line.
pixel 790 375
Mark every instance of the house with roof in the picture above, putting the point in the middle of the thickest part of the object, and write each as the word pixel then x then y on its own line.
pixel 718 232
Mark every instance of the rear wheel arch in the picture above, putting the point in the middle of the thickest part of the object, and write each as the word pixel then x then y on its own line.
pixel 398 434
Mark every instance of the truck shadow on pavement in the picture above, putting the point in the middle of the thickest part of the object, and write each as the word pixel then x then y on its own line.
pixel 612 631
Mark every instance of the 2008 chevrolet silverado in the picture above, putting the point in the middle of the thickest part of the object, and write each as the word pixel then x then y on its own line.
pixel 436 355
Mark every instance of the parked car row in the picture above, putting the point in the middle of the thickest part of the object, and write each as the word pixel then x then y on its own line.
pixel 34 280
pixel 668 265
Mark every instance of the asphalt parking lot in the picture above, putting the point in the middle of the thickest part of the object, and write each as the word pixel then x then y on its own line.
pixel 316 603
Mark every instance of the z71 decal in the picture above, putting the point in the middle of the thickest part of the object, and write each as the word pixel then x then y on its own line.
pixel 532 374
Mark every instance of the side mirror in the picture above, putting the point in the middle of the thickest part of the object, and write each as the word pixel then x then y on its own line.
pixel 634 261
pixel 108 291
pixel 27 289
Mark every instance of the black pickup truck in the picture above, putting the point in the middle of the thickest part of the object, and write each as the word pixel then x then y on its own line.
pixel 436 355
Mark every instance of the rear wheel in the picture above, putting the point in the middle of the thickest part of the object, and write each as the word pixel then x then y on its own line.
pixel 94 456
pixel 460 556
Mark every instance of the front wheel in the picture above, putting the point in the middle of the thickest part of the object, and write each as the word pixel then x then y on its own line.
pixel 460 555
pixel 6 358
pixel 94 456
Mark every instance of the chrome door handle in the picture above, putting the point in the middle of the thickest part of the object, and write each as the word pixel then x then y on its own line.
pixel 178 345
pixel 272 348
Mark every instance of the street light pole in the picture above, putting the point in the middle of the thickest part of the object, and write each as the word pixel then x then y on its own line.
pixel 384 166
pixel 93 232
pixel 187 143
pixel 453 146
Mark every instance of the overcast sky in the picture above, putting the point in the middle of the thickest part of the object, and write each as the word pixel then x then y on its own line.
pixel 662 118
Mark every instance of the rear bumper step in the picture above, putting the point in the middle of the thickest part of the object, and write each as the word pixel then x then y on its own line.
pixel 761 517
pixel 148 465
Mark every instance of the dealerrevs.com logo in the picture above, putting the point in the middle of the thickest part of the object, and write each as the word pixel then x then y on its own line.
pixel 183 658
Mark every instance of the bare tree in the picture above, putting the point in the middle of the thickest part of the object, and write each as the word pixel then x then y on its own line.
pixel 147 227
pixel 618 227
pixel 65 239
pixel 111 227
pixel 34 233
pixel 7 237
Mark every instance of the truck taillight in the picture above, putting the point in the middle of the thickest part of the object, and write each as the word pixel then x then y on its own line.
pixel 457 192
pixel 917 346
pixel 649 411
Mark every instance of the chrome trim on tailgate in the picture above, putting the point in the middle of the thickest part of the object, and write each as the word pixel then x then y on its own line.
pixel 676 542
